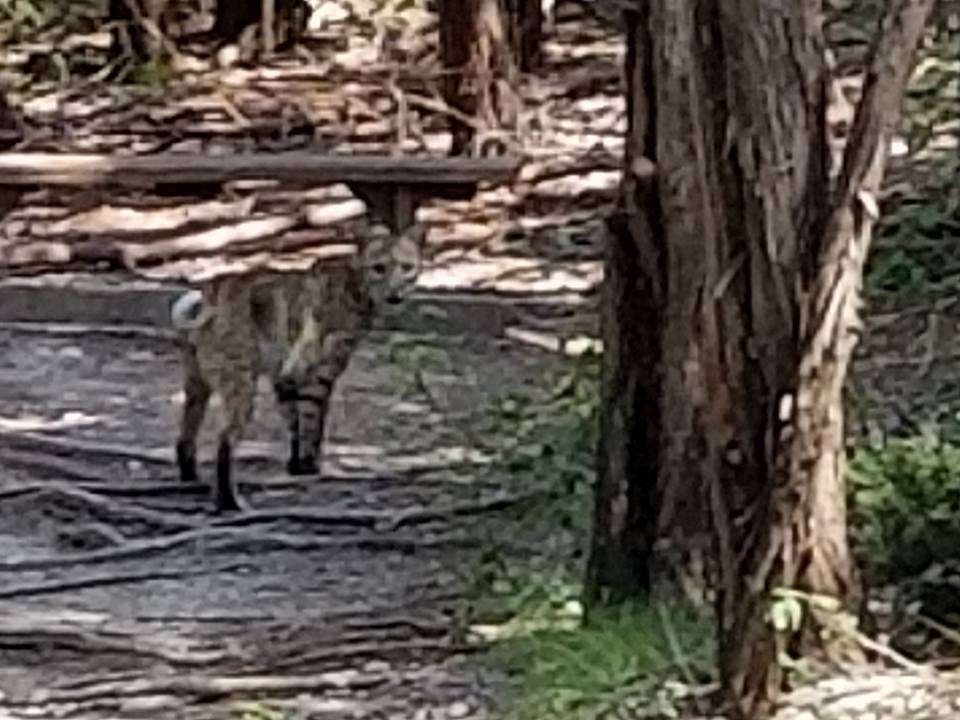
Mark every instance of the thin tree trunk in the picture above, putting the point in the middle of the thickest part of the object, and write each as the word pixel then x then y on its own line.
pixel 618 568
pixel 268 26
pixel 526 33
pixel 234 16
pixel 139 25
pixel 457 24
pixel 479 71
pixel 280 22
pixel 625 496
pixel 11 134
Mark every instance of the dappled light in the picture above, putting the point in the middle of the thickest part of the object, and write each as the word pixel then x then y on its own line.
pixel 479 360
pixel 27 422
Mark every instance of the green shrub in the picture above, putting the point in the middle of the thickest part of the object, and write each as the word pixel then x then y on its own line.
pixel 905 506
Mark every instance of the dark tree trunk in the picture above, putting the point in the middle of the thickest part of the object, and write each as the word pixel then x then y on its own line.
pixel 479 72
pixel 280 22
pixel 457 27
pixel 139 26
pixel 625 500
pixel 234 16
pixel 11 134
pixel 11 126
pixel 526 33
pixel 730 315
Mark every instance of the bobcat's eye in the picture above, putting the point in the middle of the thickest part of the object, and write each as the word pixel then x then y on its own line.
pixel 380 268
pixel 408 267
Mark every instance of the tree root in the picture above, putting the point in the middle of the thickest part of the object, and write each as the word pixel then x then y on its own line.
pixel 54 588
pixel 101 507
pixel 212 687
pixel 48 629
pixel 225 539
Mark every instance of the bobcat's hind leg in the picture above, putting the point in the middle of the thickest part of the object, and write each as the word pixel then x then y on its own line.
pixel 196 398
pixel 238 396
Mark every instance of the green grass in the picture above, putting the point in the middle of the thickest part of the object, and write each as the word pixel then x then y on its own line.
pixel 629 658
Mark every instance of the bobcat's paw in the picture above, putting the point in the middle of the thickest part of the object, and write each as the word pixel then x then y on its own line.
pixel 227 503
pixel 187 464
pixel 303 466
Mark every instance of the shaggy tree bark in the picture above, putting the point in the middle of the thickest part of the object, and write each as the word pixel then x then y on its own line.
pixel 479 72
pixel 731 315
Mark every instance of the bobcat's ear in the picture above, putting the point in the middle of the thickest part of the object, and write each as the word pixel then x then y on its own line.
pixel 378 231
pixel 417 233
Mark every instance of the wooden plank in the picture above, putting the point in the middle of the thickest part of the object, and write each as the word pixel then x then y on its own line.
pixel 293 168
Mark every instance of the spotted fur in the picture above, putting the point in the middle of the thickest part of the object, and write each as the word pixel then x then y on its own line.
pixel 300 329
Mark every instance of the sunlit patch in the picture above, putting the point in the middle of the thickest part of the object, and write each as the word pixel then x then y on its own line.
pixel 568 618
pixel 410 408
pixel 510 274
pixel 69 419
pixel 353 458
pixel 573 346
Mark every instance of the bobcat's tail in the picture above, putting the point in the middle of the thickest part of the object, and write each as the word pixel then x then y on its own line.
pixel 187 311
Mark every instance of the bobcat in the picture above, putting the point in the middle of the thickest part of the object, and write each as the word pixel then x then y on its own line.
pixel 298 328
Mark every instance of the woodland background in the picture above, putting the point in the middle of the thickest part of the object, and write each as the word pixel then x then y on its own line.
pixel 477 507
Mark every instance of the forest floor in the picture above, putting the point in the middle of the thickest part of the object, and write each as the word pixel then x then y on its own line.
pixel 336 597
pixel 124 597
pixel 342 596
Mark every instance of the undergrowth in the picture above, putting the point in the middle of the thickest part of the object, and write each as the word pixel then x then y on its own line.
pixel 543 444
pixel 916 254
pixel 638 659
pixel 904 506
pixel 526 585
pixel 904 515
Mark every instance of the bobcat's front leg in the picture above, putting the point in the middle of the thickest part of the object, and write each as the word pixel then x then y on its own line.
pixel 305 410
pixel 307 402
pixel 311 420
pixel 335 355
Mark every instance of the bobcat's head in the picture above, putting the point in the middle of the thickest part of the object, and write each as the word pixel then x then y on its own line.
pixel 391 263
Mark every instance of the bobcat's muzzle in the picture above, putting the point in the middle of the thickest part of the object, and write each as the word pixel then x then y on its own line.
pixel 288 390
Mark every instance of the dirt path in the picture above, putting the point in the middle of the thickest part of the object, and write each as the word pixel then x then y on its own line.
pixel 335 597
